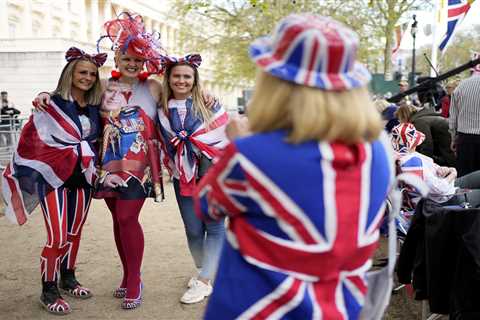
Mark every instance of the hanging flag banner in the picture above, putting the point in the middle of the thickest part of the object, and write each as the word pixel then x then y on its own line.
pixel 397 38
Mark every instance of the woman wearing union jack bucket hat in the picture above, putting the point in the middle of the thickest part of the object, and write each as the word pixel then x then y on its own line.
pixel 304 189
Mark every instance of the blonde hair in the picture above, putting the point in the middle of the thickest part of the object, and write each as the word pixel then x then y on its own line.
pixel 64 86
pixel 199 106
pixel 404 113
pixel 309 113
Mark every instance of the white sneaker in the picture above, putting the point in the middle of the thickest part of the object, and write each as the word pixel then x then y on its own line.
pixel 197 292
pixel 191 282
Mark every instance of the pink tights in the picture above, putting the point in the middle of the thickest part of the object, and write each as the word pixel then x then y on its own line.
pixel 129 240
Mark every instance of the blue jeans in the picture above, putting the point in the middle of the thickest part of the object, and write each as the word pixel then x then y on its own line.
pixel 204 239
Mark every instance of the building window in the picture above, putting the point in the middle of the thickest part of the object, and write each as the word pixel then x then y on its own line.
pixel 12 30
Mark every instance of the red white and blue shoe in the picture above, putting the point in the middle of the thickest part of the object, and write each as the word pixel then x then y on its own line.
pixel 130 304
pixel 70 286
pixel 120 292
pixel 52 301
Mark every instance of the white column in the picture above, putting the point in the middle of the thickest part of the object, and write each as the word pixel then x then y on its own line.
pixel 94 21
pixel 82 18
pixel 47 21
pixel 164 36
pixel 3 19
pixel 66 26
pixel 148 24
pixel 107 10
pixel 27 19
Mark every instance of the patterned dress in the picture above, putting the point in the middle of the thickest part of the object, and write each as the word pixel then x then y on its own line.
pixel 303 226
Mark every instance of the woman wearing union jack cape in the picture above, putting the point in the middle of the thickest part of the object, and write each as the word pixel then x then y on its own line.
pixel 192 136
pixel 305 190
pixel 54 165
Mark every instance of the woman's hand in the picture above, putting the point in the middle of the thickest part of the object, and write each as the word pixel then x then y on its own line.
pixel 237 127
pixel 443 171
pixel 452 175
pixel 113 181
pixel 41 101
pixel 209 100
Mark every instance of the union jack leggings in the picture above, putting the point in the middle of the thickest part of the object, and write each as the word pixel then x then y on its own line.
pixel 65 211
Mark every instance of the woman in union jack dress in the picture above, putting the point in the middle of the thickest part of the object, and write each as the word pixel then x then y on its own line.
pixel 192 136
pixel 54 166
pixel 305 189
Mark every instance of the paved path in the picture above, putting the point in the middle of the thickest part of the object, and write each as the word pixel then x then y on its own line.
pixel 167 266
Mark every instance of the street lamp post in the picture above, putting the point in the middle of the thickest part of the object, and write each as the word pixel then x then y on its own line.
pixel 413 32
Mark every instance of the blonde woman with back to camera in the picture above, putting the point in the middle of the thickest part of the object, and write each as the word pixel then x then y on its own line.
pixel 304 189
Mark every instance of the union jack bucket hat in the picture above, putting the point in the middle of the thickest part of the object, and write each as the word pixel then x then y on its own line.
pixel 313 51
pixel 405 137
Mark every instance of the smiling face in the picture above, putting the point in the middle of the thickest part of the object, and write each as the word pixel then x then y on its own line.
pixel 181 81
pixel 84 76
pixel 129 65
pixel 116 96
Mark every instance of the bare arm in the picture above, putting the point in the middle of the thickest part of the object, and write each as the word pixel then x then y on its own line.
pixel 155 88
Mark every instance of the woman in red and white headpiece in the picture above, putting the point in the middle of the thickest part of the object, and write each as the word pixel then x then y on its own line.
pixel 130 162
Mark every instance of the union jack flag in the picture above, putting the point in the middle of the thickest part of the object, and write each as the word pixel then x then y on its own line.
pixel 183 142
pixel 457 10
pixel 303 225
pixel 50 146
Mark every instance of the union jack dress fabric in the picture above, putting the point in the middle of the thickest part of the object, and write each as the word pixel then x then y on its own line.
pixel 303 225
pixel 185 142
pixel 50 147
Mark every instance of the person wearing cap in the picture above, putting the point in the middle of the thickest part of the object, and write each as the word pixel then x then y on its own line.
pixel 304 186
pixel 409 99
pixel 54 166
pixel 442 181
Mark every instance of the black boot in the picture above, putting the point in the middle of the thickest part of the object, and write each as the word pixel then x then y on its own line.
pixel 70 285
pixel 51 299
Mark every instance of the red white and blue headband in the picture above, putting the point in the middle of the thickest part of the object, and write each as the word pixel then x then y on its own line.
pixel 193 60
pixel 75 53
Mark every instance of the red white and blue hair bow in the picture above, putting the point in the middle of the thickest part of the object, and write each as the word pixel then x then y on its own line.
pixel 193 60
pixel 75 53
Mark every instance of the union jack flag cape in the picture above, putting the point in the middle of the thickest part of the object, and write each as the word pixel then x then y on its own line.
pixel 183 144
pixel 48 151
pixel 303 225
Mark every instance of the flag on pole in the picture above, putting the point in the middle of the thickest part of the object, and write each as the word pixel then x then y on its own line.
pixel 456 12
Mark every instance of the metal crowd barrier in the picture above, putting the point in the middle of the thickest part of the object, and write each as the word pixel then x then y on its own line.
pixel 10 128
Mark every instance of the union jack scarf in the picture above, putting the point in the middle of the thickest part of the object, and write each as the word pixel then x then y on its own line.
pixel 47 153
pixel 185 143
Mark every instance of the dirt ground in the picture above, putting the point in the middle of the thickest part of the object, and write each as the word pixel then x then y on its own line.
pixel 166 269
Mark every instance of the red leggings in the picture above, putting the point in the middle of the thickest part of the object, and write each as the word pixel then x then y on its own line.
pixel 129 240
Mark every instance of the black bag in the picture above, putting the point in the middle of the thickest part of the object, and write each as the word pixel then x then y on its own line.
pixel 203 165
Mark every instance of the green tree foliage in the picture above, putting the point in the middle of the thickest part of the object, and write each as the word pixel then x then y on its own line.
pixel 229 26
